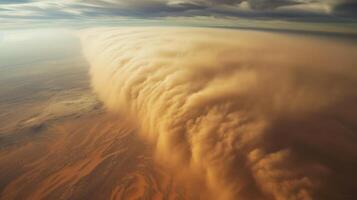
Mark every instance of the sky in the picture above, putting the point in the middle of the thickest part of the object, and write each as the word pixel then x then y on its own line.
pixel 25 13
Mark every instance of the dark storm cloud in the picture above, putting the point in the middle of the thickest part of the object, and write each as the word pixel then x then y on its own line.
pixel 201 7
pixel 262 4
pixel 271 4
pixel 346 8
pixel 308 10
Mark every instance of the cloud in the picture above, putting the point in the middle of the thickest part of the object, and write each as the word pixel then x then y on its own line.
pixel 14 1
pixel 308 10
pixel 241 114
pixel 346 8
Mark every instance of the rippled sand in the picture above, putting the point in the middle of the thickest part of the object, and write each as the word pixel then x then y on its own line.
pixel 91 157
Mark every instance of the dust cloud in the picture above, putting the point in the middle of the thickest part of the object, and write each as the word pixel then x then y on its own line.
pixel 236 114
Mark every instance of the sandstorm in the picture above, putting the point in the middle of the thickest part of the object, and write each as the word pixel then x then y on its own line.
pixel 235 114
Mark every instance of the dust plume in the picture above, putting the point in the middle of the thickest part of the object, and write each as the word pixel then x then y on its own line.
pixel 244 114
